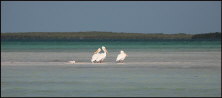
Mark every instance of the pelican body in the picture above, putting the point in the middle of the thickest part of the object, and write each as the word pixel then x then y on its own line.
pixel 102 56
pixel 95 55
pixel 121 57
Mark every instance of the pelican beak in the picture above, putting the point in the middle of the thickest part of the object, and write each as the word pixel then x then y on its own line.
pixel 96 51
pixel 107 51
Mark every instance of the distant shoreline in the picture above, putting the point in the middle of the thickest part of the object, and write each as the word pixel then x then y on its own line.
pixel 110 36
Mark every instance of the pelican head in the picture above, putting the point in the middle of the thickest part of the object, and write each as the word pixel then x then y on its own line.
pixel 122 52
pixel 97 51
pixel 104 49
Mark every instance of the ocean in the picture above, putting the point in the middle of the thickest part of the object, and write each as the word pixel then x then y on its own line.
pixel 154 68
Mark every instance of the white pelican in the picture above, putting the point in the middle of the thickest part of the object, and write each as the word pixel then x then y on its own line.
pixel 95 55
pixel 121 56
pixel 102 56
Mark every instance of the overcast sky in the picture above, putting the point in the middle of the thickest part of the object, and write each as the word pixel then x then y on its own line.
pixel 116 16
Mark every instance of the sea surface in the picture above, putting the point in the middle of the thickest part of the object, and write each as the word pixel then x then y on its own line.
pixel 154 68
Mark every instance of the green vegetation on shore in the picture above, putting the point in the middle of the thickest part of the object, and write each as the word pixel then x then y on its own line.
pixel 212 36
pixel 103 36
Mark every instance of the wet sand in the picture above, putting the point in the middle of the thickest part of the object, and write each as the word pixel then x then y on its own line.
pixel 147 59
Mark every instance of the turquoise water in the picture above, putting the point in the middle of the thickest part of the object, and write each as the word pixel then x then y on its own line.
pixel 185 68
pixel 159 45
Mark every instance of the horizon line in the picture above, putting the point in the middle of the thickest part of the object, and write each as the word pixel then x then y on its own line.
pixel 111 32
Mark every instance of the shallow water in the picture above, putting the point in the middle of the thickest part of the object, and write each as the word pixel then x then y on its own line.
pixel 153 69
pixel 114 46
pixel 109 80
